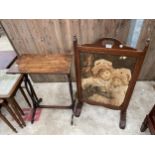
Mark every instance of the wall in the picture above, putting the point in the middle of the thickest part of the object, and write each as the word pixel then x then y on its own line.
pixel 148 31
pixel 55 36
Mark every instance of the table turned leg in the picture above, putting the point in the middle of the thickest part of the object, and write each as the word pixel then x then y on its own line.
pixel 72 98
pixel 7 122
pixel 122 123
pixel 71 90
pixel 24 95
pixel 35 100
pixel 33 114
pixel 12 114
pixel 16 107
pixel 78 108
pixel 13 101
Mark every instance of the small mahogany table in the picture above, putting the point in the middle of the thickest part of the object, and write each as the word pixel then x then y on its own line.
pixel 149 122
pixel 43 64
pixel 7 58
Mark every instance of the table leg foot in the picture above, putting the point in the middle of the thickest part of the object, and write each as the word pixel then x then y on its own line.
pixel 34 109
pixel 122 123
pixel 40 100
pixel 35 100
pixel 33 115
pixel 144 125
pixel 72 119
pixel 78 109
pixel 71 91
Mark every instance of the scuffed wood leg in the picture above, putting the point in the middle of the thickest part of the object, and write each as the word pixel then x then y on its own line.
pixel 73 114
pixel 71 90
pixel 144 125
pixel 7 122
pixel 33 114
pixel 13 101
pixel 24 95
pixel 78 109
pixel 15 108
pixel 13 114
pixel 122 123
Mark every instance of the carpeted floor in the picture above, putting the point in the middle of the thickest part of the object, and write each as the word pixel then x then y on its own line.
pixel 93 120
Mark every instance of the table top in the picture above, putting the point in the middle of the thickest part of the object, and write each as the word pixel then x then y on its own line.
pixel 8 83
pixel 42 64
pixel 6 58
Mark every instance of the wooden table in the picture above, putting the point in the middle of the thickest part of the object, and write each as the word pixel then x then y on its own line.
pixel 7 58
pixel 43 64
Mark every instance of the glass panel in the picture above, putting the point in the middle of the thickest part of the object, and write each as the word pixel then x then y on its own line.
pixel 105 78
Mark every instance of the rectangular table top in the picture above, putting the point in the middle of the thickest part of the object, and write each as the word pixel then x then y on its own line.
pixel 42 64
pixel 8 83
pixel 6 58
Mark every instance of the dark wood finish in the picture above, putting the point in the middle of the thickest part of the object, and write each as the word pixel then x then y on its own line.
pixel 19 112
pixel 99 48
pixel 55 106
pixel 4 118
pixel 7 58
pixel 78 79
pixel 14 102
pixel 42 64
pixel 24 95
pixel 113 51
pixel 12 113
pixel 149 122
pixel 11 104
pixel 7 122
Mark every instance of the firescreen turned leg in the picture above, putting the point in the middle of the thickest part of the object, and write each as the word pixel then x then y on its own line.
pixel 78 109
pixel 122 123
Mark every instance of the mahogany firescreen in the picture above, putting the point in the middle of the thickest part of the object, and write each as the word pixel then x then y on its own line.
pixel 106 73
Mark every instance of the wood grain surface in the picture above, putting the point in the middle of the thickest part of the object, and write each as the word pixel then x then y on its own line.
pixel 42 64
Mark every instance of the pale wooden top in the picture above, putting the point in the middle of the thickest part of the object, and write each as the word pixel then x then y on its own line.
pixel 8 83
pixel 42 64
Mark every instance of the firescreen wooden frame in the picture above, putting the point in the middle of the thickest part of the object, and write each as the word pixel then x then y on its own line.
pixel 118 49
